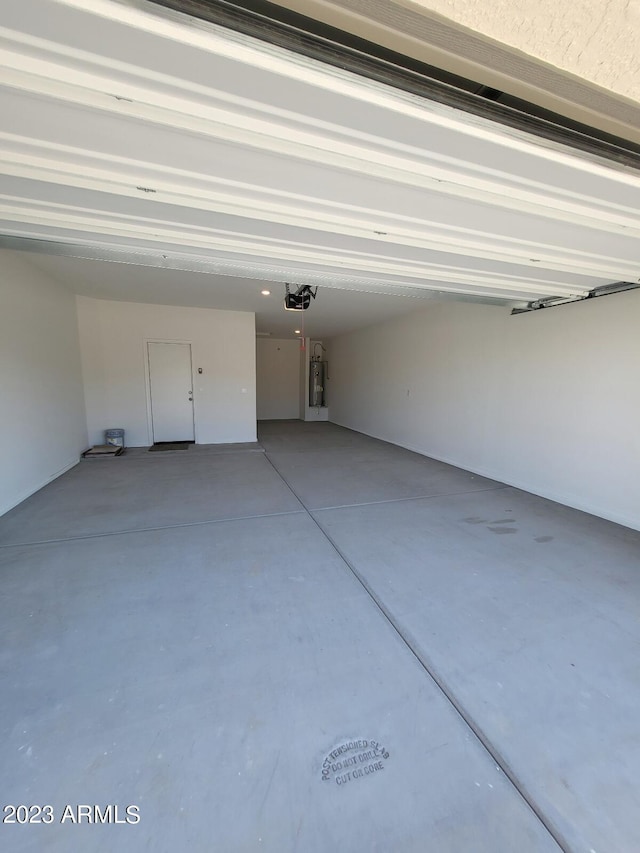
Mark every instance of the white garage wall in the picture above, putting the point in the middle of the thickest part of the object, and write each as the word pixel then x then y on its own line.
pixel 547 401
pixel 42 422
pixel 277 378
pixel 113 339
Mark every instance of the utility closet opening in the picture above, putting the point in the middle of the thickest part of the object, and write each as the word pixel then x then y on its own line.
pixel 292 379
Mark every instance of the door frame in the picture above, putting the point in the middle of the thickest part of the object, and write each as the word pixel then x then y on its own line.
pixel 147 382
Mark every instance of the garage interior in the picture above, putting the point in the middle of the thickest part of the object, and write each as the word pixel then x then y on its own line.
pixel 403 615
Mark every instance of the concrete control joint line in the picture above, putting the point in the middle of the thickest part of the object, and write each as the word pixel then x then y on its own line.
pixel 235 517
pixel 413 647
pixel 400 500
pixel 151 529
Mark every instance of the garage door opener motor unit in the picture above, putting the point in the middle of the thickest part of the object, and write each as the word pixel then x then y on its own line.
pixel 301 299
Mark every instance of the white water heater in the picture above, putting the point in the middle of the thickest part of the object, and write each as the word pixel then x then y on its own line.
pixel 317 372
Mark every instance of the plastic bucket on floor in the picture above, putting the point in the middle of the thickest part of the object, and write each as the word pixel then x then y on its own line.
pixel 114 437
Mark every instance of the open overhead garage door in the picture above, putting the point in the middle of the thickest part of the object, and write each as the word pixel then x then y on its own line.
pixel 139 136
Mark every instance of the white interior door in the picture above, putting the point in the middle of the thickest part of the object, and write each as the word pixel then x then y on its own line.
pixel 171 386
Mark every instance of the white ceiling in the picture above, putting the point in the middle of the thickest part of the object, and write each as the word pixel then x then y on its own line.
pixel 333 312
pixel 131 133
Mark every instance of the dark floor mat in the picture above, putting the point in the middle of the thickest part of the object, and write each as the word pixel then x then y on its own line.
pixel 171 445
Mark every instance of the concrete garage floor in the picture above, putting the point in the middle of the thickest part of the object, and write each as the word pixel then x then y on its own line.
pixel 320 643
